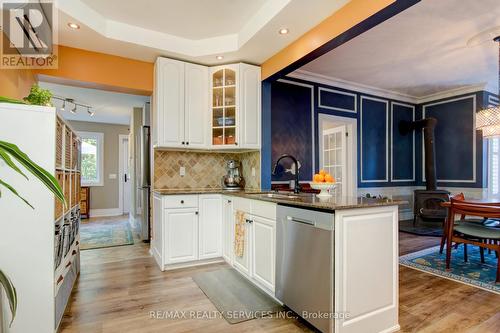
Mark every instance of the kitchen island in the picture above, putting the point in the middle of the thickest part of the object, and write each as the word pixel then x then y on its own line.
pixel 333 261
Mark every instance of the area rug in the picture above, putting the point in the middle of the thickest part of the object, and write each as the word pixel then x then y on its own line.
pixel 108 234
pixel 236 298
pixel 473 272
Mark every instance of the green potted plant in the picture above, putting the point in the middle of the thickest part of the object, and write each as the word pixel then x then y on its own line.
pixel 39 96
pixel 8 153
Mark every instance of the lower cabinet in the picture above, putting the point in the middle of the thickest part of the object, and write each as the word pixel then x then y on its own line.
pixel 259 255
pixel 243 263
pixel 210 227
pixel 227 230
pixel 264 251
pixel 181 235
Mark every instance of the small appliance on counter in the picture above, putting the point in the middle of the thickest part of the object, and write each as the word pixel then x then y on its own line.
pixel 232 181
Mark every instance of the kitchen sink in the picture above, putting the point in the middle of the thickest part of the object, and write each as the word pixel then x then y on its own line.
pixel 278 195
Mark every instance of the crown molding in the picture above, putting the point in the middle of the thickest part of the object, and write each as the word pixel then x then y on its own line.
pixel 349 85
pixel 389 94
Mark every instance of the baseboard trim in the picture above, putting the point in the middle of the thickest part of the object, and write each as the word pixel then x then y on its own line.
pixel 105 212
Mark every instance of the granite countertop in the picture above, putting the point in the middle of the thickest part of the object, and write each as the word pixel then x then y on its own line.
pixel 305 200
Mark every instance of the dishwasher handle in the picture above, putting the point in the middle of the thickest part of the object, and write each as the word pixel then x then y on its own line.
pixel 297 220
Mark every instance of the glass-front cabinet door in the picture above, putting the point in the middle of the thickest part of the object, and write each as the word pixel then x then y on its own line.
pixel 224 106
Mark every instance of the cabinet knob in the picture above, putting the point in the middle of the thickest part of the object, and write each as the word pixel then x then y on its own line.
pixel 229 201
pixel 196 213
pixel 187 143
pixel 183 142
pixel 236 143
pixel 182 201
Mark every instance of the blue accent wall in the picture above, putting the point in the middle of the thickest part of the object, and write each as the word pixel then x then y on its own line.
pixel 374 139
pixel 291 128
pixel 403 148
pixel 385 157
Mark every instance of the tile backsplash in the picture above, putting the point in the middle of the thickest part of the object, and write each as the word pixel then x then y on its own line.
pixel 203 169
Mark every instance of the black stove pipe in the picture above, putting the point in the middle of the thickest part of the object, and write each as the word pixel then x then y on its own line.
pixel 428 125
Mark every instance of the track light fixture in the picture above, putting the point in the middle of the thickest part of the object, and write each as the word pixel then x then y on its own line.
pixel 75 104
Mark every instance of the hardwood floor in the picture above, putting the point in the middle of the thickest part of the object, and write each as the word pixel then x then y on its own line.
pixel 119 288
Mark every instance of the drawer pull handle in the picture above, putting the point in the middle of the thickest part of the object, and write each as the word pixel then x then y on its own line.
pixel 248 221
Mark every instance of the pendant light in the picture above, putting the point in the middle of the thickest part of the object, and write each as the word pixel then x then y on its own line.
pixel 488 120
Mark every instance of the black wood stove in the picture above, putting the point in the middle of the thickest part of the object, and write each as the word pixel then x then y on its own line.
pixel 427 203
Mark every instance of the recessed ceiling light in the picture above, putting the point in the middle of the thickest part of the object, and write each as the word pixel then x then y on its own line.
pixel 73 25
pixel 284 31
pixel 219 57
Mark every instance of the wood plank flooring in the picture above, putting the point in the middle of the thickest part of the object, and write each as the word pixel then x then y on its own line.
pixel 119 288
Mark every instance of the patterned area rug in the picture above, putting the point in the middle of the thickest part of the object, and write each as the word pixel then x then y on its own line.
pixel 473 272
pixel 105 234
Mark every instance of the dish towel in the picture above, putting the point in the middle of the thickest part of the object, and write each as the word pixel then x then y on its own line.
pixel 239 234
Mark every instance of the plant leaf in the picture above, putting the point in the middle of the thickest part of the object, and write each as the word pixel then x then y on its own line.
pixel 45 177
pixel 11 293
pixel 13 190
pixel 4 156
pixel 10 100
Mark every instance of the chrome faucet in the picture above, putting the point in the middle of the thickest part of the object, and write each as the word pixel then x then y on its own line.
pixel 296 188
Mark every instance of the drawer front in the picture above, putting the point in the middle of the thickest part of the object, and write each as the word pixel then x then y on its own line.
pixel 181 201
pixel 264 209
pixel 242 204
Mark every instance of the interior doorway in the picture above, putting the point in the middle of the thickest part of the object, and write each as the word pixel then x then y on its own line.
pixel 337 137
pixel 124 174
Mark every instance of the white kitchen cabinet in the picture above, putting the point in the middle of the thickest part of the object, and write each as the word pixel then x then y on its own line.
pixel 157 231
pixel 180 107
pixel 228 230
pixel 210 226
pixel 168 103
pixel 235 104
pixel 264 251
pixel 244 263
pixel 181 235
pixel 250 106
pixel 196 106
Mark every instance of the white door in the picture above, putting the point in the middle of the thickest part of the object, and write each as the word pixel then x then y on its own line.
pixel 170 102
pixel 210 226
pixel 250 106
pixel 243 263
pixel 264 251
pixel 196 106
pixel 126 181
pixel 334 159
pixel 228 230
pixel 181 235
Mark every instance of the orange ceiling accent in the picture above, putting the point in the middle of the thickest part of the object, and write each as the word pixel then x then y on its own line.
pixel 101 71
pixel 339 22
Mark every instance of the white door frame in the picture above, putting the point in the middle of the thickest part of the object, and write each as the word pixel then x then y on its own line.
pixel 352 148
pixel 121 138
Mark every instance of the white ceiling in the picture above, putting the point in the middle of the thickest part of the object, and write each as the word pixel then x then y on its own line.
pixel 421 51
pixel 192 30
pixel 109 107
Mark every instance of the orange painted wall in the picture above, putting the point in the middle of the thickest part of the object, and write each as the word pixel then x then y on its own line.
pixel 15 83
pixel 342 20
pixel 102 71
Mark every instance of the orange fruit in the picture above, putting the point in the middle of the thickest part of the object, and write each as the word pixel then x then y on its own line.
pixel 329 178
pixel 322 172
pixel 318 178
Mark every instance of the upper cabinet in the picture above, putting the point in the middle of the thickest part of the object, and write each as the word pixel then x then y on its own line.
pixel 180 104
pixel 202 107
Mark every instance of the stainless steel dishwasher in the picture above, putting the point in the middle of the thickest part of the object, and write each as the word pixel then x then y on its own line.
pixel 304 263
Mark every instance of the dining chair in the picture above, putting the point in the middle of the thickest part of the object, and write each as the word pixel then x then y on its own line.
pixel 472 233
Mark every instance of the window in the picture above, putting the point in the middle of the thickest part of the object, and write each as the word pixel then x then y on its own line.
pixel 92 158
pixel 494 166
